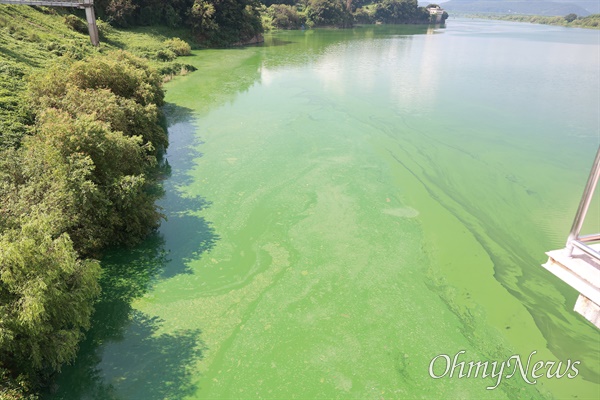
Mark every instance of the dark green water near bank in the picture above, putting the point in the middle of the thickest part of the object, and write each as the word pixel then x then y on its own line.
pixel 345 205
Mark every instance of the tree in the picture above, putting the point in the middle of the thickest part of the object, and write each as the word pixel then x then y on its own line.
pixel 285 17
pixel 46 297
pixel 400 11
pixel 97 134
pixel 119 12
pixel 225 22
pixel 570 17
pixel 329 13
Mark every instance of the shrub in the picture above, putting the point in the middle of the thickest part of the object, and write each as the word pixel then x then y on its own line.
pixel 122 73
pixel 46 295
pixel 105 111
pixel 175 68
pixel 178 46
pixel 165 55
pixel 76 23
pixel 104 28
pixel 14 115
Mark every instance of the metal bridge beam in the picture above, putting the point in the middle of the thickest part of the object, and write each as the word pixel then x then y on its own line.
pixel 63 3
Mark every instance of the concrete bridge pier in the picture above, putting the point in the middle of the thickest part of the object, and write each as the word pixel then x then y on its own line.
pixel 90 15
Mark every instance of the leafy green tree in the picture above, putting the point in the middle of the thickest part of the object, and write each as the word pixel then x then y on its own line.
pixel 97 136
pixel 120 12
pixel 225 22
pixel 116 208
pixel 36 179
pixel 123 73
pixel 400 11
pixel 570 17
pixel 46 296
pixel 285 16
pixel 329 13
pixel 363 16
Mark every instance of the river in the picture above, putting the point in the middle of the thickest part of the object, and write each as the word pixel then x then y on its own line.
pixel 345 205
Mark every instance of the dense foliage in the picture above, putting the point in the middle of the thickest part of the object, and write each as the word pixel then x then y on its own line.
pixel 214 22
pixel 343 13
pixel 400 11
pixel 46 297
pixel 330 13
pixel 77 182
pixel 283 16
pixel 228 22
pixel 14 116
pixel 225 22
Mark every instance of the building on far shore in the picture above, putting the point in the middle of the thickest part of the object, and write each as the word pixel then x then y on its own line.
pixel 436 12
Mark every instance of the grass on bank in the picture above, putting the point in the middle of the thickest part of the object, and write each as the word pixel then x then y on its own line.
pixel 33 36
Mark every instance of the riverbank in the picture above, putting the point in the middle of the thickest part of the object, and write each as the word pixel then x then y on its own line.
pixel 82 134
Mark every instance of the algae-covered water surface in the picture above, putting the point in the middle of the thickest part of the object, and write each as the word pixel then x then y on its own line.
pixel 344 206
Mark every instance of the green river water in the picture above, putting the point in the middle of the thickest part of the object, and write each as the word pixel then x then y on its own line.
pixel 345 205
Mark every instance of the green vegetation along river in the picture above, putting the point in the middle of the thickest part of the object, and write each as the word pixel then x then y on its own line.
pixel 345 205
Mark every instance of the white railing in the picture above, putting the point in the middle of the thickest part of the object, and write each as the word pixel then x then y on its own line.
pixel 574 239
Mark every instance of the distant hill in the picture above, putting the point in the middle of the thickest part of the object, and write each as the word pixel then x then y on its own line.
pixel 535 7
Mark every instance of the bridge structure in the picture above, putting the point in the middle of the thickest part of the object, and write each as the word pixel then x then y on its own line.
pixel 578 264
pixel 87 5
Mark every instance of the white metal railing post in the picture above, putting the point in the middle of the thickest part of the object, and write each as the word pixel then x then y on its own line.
pixel 584 205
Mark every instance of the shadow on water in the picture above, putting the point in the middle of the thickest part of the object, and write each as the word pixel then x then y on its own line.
pixel 124 346
pixel 157 363
pixel 187 235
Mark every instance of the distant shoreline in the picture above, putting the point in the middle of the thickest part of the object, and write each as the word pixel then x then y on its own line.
pixel 589 22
